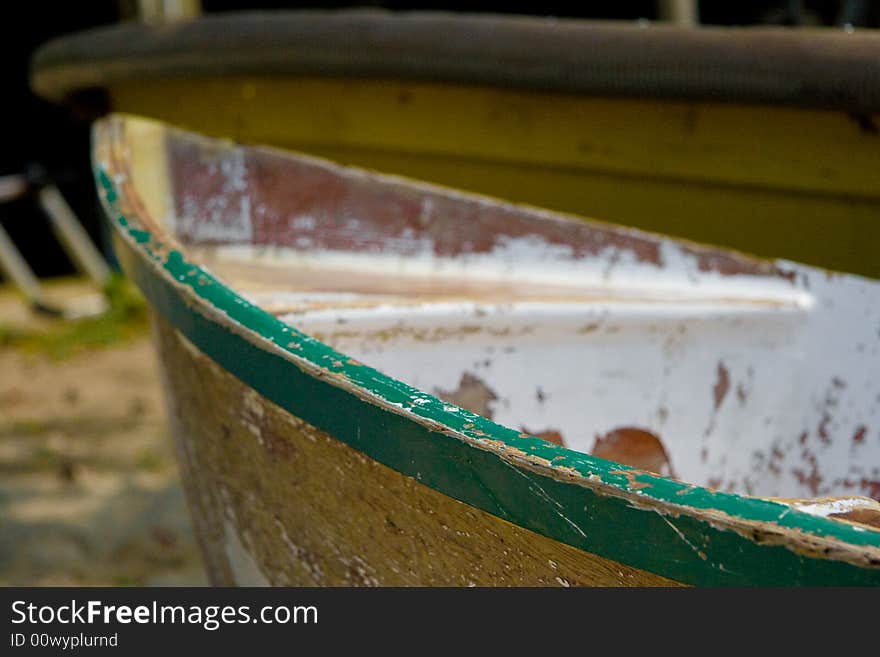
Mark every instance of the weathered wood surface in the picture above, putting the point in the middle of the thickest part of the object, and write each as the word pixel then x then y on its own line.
pixel 811 68
pixel 735 364
pixel 740 137
pixel 278 501
pixel 680 530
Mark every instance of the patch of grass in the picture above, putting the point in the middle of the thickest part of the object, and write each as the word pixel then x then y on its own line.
pixel 10 336
pixel 29 427
pixel 149 460
pixel 74 427
pixel 45 455
pixel 125 318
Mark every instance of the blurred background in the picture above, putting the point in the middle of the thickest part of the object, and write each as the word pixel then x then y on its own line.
pixel 89 492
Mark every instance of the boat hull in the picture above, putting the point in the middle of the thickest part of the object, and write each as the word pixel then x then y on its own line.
pixel 777 182
pixel 278 501
pixel 306 466
pixel 758 140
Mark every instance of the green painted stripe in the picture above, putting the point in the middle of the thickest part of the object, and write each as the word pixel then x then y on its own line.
pixel 681 547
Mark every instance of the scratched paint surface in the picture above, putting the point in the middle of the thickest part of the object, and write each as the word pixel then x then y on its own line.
pixel 756 376
pixel 369 526
pixel 743 399
pixel 616 285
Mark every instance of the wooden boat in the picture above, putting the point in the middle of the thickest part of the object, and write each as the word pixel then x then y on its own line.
pixel 377 381
pixel 763 140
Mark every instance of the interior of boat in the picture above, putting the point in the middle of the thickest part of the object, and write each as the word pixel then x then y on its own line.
pixel 691 361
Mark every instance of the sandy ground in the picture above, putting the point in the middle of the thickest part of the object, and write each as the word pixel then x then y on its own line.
pixel 89 488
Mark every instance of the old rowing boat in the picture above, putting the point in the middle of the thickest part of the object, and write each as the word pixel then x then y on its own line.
pixel 376 381
pixel 758 139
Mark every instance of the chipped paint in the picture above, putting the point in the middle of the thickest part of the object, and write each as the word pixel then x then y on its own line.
pixel 471 394
pixel 379 233
pixel 225 325
pixel 636 447
pixel 585 383
pixel 862 516
pixel 829 507
pixel 722 385
pixel 550 435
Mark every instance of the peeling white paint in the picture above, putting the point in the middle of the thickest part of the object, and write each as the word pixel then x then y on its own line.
pixel 613 363
pixel 224 216
pixel 760 384
pixel 825 508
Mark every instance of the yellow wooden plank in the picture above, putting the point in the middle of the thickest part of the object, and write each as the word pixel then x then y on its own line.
pixel 795 184
pixel 799 149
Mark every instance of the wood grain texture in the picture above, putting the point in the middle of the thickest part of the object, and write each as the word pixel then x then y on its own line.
pixel 310 510
pixel 767 173
pixel 685 532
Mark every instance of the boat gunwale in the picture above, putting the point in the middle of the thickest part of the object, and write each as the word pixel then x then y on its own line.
pixel 761 521
pixel 809 68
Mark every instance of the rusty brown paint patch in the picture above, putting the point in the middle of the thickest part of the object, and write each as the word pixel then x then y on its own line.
pixel 732 264
pixel 871 488
pixel 859 436
pixel 352 211
pixel 811 478
pixel 869 517
pixel 389 216
pixel 774 464
pixel 635 447
pixel 551 435
pixel 822 429
pixel 722 385
pixel 831 402
pixel 472 394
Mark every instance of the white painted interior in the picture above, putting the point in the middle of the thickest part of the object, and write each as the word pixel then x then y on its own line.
pixel 585 368
pixel 754 383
